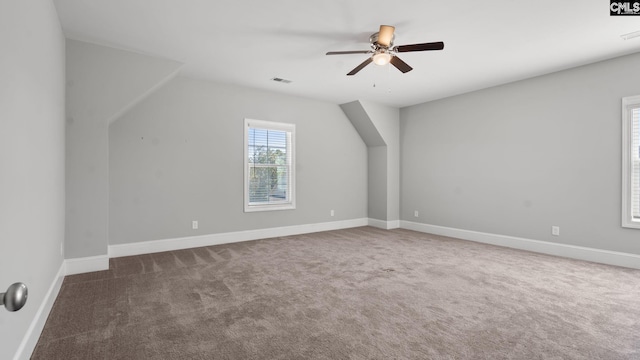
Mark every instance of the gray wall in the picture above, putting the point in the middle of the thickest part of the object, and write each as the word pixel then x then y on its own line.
pixel 177 157
pixel 516 159
pixel 102 83
pixel 31 158
pixel 377 182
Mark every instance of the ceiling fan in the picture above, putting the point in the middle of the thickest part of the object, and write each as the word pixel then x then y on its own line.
pixel 383 52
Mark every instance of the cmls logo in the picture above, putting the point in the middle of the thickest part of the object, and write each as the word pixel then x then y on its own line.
pixel 623 8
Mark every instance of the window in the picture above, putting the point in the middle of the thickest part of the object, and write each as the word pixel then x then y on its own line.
pixel 631 162
pixel 269 171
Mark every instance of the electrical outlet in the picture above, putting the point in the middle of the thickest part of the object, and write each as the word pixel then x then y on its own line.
pixel 415 213
pixel 194 224
pixel 555 230
pixel 332 213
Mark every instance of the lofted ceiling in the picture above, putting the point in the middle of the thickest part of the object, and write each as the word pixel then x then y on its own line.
pixel 248 43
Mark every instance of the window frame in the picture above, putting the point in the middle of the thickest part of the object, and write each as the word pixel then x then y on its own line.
pixel 628 105
pixel 291 189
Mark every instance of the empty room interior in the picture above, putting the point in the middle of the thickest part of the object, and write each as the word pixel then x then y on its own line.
pixel 328 180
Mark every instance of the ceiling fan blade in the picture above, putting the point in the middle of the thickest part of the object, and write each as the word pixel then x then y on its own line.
pixel 349 52
pixel 400 65
pixel 420 47
pixel 385 35
pixel 360 67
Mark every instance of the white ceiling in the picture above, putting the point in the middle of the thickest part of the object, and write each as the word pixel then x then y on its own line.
pixel 246 42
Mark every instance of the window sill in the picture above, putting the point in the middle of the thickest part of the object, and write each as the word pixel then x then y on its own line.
pixel 274 207
pixel 631 224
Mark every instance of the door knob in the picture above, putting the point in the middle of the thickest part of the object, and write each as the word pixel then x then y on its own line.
pixel 15 297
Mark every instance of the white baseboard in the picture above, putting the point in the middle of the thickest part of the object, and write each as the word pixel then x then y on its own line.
pixel 30 339
pixel 154 246
pixel 382 224
pixel 86 264
pixel 569 251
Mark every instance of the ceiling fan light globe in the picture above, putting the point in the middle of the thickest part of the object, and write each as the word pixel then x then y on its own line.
pixel 382 58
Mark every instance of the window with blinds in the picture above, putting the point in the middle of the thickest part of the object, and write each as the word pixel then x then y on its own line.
pixel 269 166
pixel 631 162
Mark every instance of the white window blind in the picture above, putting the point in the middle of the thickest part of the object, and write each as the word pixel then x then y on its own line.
pixel 631 162
pixel 269 166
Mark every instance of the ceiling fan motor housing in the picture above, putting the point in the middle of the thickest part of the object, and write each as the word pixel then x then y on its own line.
pixel 373 39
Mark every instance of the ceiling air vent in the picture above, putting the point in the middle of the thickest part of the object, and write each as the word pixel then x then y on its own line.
pixel 284 81
pixel 631 35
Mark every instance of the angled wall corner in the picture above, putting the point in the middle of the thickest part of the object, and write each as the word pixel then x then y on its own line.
pixel 363 123
pixel 379 128
pixel 102 84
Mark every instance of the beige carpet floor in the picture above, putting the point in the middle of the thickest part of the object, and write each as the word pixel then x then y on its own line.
pixel 361 293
